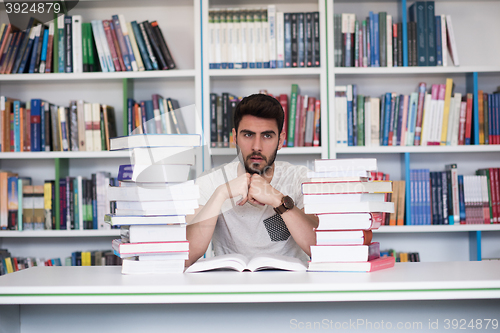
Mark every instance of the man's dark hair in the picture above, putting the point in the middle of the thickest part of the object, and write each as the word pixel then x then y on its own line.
pixel 262 106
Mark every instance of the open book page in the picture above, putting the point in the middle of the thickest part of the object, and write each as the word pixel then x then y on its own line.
pixel 239 262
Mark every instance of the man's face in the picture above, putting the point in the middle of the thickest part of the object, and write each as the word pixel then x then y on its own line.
pixel 258 142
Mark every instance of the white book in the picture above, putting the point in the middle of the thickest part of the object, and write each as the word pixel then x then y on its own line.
pixel 280 40
pixel 100 48
pixel 368 121
pixel 271 19
pixel 236 40
pixel 80 109
pixel 343 198
pixel 230 42
pixel 130 266
pixel 444 41
pixel 114 219
pixel 218 39
pixel 155 140
pixel 211 36
pixel 162 155
pixel 451 121
pixel 156 173
pixel 350 207
pixel 165 256
pixel 343 253
pixel 251 39
pixel 63 126
pixel 174 192
pixel 456 120
pixel 347 187
pixel 96 126
pixel 77 43
pixel 338 174
pixel 264 39
pixel 154 212
pixel 375 121
pixel 223 39
pixel 128 44
pixel 107 52
pixel 89 133
pixel 155 205
pixel 328 165
pixel 341 116
pixel 153 233
pixel 80 202
pixel 132 249
pixel 243 39
pixel 101 185
pixel 135 48
pixel 438 120
pixel 452 44
pixel 167 118
pixel 426 123
pixel 257 39
pixel 240 263
pixel 389 40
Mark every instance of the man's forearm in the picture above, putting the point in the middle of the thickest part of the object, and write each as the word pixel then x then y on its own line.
pixel 201 226
pixel 301 227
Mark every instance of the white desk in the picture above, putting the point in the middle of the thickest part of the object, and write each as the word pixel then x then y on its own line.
pixel 97 299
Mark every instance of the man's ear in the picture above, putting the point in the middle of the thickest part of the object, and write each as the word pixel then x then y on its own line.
pixel 234 136
pixel 282 139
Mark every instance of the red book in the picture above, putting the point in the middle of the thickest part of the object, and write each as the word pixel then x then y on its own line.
pixel 388 197
pixel 8 30
pixel 112 49
pixel 468 120
pixel 117 45
pixel 15 264
pixel 317 120
pixel 420 112
pixel 368 266
pixel 496 187
pixel 461 128
pixel 27 129
pixel 283 99
pixel 48 263
pixel 50 49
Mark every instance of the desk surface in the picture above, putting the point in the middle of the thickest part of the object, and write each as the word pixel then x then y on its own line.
pixel 106 285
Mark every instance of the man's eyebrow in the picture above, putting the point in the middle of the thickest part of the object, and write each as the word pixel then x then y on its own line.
pixel 251 132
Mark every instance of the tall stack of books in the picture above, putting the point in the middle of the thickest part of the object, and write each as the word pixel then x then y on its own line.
pixel 349 206
pixel 152 200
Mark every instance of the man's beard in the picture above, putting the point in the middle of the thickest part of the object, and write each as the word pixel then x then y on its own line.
pixel 247 163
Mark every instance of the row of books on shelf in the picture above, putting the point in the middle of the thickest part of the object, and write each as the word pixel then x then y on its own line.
pixel 445 197
pixel 423 118
pixel 10 264
pixel 263 38
pixel 156 116
pixel 401 256
pixel 302 121
pixel 82 202
pixel 39 125
pixel 377 41
pixel 69 45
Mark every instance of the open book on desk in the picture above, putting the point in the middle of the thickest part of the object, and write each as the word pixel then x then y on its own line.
pixel 240 263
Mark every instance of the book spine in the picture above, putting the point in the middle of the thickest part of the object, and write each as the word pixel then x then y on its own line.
pixel 280 40
pixel 147 42
pixel 271 18
pixel 77 46
pixel 420 112
pixel 128 44
pixel 135 47
pixel 163 45
pixel 35 124
pixel 68 45
pixel 50 49
pixel 301 52
pixel 287 21
pixel 121 42
pixel 382 19
pixel 292 115
pixel 316 40
pixel 142 46
pixel 113 52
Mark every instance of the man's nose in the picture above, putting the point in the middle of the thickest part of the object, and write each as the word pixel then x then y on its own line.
pixel 257 144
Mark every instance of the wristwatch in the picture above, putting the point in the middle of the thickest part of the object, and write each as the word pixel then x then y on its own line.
pixel 286 204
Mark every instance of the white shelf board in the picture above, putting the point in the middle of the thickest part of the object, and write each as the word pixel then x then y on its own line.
pixel 59 233
pixel 183 73
pixel 413 70
pixel 438 228
pixel 307 71
pixel 64 154
pixel 282 151
pixel 418 149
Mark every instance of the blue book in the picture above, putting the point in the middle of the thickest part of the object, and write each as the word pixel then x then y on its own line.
pixel 428 197
pixel 433 196
pixel 288 39
pixel 461 198
pixel 27 53
pixel 376 46
pixel 430 31
pixel 301 56
pixel 34 50
pixel 420 191
pixel 36 128
pixel 391 118
pixel 400 119
pixel 446 196
pixel 44 105
pixel 387 118
pixel 130 115
pixel 412 197
pixel 381 120
pixel 76 204
pixel 412 119
pixel 439 42
pixel 150 122
pixel 17 125
pixel 142 46
pixel 44 44
pixel 350 117
pixel 372 40
pixel 497 115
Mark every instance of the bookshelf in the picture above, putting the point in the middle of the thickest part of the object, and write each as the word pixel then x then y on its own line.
pixel 479 70
pixel 241 82
pixel 180 23
pixel 184 25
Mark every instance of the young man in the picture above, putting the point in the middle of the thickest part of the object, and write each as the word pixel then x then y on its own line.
pixel 253 204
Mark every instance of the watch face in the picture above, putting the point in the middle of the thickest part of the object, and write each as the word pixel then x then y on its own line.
pixel 288 202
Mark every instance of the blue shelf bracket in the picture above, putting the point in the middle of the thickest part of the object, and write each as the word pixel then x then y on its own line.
pixel 475 245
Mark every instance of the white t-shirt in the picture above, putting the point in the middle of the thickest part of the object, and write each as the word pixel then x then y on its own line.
pixel 250 229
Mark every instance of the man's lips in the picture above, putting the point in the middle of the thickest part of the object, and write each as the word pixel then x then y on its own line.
pixel 256 158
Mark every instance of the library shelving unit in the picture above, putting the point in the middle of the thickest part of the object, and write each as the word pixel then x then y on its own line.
pixel 479 69
pixel 180 24
pixel 242 82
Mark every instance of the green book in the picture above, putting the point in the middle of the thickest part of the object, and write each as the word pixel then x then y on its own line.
pixel 61 55
pixel 382 21
pixel 91 49
pixel 75 203
pixel 361 120
pixel 85 49
pixel 292 115
pixel 55 46
pixel 103 136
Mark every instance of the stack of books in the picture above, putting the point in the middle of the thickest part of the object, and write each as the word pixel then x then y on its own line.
pixel 152 200
pixel 349 206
